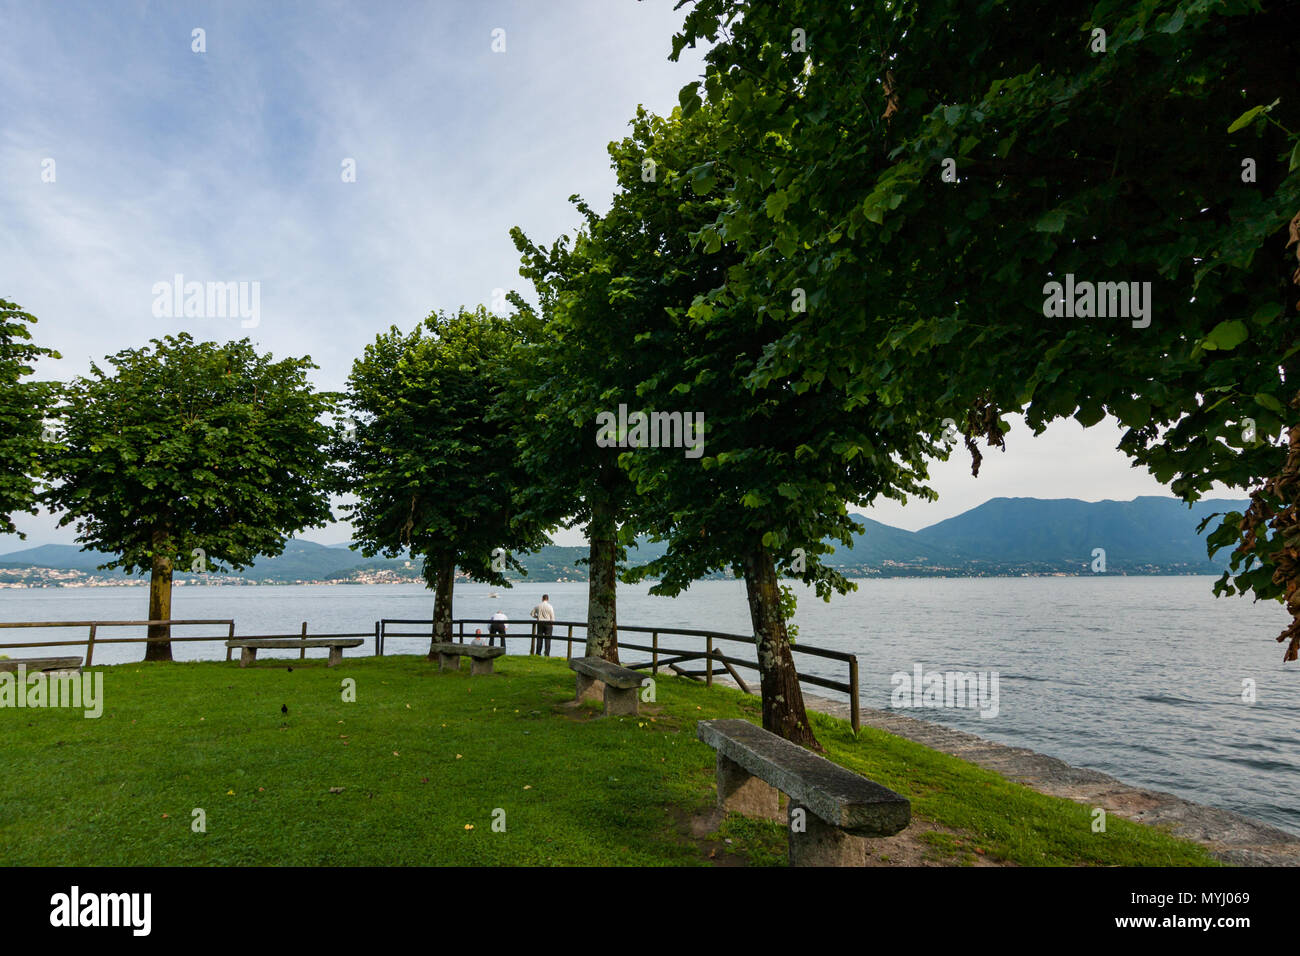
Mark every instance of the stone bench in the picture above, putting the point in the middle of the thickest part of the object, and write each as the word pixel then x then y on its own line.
pixel 481 656
pixel 44 665
pixel 840 808
pixel 249 646
pixel 599 679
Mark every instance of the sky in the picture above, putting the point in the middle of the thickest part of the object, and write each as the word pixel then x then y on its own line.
pixel 129 157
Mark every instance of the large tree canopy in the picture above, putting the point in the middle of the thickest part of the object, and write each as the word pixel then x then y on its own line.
pixel 562 378
pixel 931 169
pixel 432 460
pixel 204 453
pixel 23 405
pixel 775 466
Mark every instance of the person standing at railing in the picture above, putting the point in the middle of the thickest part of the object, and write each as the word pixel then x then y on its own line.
pixel 498 626
pixel 545 617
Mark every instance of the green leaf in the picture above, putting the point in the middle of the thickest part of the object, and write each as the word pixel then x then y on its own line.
pixel 689 97
pixel 1054 221
pixel 1266 313
pixel 776 204
pixel 703 179
pixel 1269 402
pixel 1226 335
pixel 1174 23
pixel 1090 414
pixel 1246 118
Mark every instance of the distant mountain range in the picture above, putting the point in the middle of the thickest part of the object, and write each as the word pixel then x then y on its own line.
pixel 1148 535
pixel 300 561
pixel 1003 536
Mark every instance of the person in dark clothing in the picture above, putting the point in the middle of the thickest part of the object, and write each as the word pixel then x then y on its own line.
pixel 498 627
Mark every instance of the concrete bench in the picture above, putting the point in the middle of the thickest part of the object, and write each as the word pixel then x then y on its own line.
pixel 599 679
pixel 840 808
pixel 249 646
pixel 44 665
pixel 481 656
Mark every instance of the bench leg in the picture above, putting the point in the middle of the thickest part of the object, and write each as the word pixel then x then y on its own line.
pixel 336 656
pixel 247 655
pixel 480 665
pixel 448 662
pixel 620 700
pixel 741 792
pixel 589 689
pixel 813 842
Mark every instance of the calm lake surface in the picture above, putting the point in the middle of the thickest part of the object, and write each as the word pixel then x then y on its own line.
pixel 1139 677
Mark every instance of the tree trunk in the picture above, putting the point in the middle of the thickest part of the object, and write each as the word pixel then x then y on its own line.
pixel 783 707
pixel 602 582
pixel 160 603
pixel 442 594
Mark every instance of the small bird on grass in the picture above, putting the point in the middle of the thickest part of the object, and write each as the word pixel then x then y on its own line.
pixel 284 708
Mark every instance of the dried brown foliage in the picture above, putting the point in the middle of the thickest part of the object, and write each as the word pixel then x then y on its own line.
pixel 982 422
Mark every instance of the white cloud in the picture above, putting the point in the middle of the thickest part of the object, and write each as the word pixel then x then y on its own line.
pixel 225 166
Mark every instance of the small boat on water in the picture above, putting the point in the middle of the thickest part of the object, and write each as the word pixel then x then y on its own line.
pixel 493 594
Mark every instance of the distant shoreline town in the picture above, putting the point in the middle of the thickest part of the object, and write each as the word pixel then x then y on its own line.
pixel 92 582
pixel 38 578
pixel 1004 537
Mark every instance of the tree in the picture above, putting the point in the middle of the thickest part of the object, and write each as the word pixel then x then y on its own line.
pixel 562 381
pixel 23 406
pixel 432 463
pixel 943 173
pixel 202 453
pixel 768 482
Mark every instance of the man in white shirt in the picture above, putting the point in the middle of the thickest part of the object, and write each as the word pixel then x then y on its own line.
pixel 545 616
pixel 498 626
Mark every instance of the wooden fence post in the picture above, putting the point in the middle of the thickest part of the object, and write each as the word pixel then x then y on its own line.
pixel 90 646
pixel 855 706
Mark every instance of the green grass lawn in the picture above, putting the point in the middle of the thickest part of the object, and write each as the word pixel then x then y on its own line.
pixel 423 762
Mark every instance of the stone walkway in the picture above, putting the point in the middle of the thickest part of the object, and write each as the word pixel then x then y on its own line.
pixel 1230 837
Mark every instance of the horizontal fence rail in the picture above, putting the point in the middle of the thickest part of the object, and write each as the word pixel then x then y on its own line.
pixel 93 638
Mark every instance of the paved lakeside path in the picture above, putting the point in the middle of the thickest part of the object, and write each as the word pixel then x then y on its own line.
pixel 1230 837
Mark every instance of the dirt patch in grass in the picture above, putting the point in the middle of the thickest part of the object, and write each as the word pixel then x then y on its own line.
pixel 701 831
pixel 732 840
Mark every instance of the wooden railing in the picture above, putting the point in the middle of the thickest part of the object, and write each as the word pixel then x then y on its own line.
pixel 93 637
pixel 672 658
pixel 675 657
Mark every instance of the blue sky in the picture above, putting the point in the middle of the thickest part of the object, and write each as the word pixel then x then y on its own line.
pixel 225 166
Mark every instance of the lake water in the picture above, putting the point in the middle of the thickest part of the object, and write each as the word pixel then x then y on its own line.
pixel 1139 677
